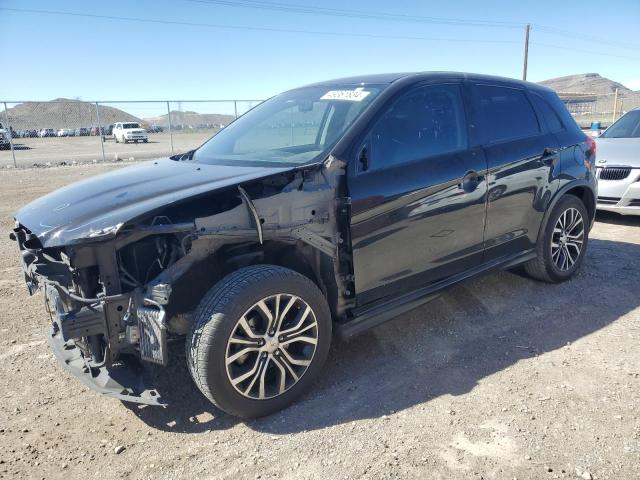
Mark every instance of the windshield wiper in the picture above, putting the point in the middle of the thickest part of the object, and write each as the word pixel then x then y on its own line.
pixel 181 157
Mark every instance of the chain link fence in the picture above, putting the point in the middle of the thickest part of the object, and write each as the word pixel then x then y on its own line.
pixel 602 108
pixel 69 132
pixel 63 132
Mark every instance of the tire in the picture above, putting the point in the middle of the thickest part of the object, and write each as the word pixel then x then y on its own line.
pixel 145 140
pixel 210 346
pixel 115 139
pixel 554 266
pixel 136 141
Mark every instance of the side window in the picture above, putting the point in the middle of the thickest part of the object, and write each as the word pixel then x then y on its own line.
pixel 550 117
pixel 503 113
pixel 425 122
pixel 561 110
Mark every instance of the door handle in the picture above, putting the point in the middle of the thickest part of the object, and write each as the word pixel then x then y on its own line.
pixel 470 181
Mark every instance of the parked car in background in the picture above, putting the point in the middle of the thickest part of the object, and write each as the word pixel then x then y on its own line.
pixel 126 132
pixel 4 138
pixel 618 165
pixel 47 132
pixel 154 129
pixel 30 133
pixel 81 132
pixel 66 132
pixel 329 208
pixel 107 132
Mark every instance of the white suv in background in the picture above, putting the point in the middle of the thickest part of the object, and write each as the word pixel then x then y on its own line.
pixel 126 132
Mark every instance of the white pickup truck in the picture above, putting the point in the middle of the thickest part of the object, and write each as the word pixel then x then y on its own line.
pixel 126 132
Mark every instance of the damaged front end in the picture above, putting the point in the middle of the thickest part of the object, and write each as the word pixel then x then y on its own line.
pixel 118 297
pixel 98 332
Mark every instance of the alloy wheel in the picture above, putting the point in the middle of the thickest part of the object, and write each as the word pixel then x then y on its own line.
pixel 567 239
pixel 271 346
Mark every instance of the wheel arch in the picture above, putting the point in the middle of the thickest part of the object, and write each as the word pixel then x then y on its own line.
pixel 586 194
pixel 578 188
pixel 304 259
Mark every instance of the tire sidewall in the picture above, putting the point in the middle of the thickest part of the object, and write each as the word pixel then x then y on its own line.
pixel 223 318
pixel 564 204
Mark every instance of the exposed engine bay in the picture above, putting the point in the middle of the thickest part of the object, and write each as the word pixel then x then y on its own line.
pixel 119 296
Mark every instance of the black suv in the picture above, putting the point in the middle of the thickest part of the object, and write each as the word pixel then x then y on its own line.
pixel 327 209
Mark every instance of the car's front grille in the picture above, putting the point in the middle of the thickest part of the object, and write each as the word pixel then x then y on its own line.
pixel 608 200
pixel 614 173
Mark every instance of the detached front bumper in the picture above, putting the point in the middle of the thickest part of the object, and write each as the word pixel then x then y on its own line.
pixel 123 379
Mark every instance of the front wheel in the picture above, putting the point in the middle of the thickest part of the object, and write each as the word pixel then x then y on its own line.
pixel 258 340
pixel 563 242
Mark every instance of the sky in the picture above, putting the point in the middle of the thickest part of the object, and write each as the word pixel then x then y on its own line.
pixel 214 49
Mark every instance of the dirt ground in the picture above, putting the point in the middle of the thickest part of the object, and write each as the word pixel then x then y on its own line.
pixel 501 377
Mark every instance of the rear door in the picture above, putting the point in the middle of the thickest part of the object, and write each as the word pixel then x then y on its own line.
pixel 522 158
pixel 418 195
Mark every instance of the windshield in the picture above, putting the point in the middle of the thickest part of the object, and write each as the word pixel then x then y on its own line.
pixel 626 127
pixel 130 125
pixel 293 128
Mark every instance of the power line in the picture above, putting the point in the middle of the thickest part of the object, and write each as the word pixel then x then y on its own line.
pixel 361 14
pixel 590 52
pixel 304 32
pixel 254 28
pixel 336 12
pixel 590 38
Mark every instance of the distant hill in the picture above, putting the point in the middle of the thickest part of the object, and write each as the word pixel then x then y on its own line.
pixel 64 113
pixel 193 119
pixel 590 97
pixel 586 83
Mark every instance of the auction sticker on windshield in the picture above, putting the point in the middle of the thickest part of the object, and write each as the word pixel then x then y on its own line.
pixel 356 95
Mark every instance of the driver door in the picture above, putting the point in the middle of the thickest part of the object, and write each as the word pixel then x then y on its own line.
pixel 418 198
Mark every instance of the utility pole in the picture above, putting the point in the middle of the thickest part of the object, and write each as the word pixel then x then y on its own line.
pixel 615 106
pixel 526 50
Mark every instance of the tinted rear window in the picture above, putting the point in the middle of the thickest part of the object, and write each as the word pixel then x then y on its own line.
pixel 503 114
pixel 550 116
pixel 560 109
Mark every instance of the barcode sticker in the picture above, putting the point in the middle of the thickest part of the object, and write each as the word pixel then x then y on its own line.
pixel 356 95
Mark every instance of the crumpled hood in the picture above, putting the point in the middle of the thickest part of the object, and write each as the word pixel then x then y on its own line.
pixel 618 151
pixel 100 205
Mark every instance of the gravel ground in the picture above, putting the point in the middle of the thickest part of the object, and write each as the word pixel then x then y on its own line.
pixel 501 377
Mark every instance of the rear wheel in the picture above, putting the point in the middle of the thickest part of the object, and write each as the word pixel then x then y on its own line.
pixel 563 242
pixel 258 340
